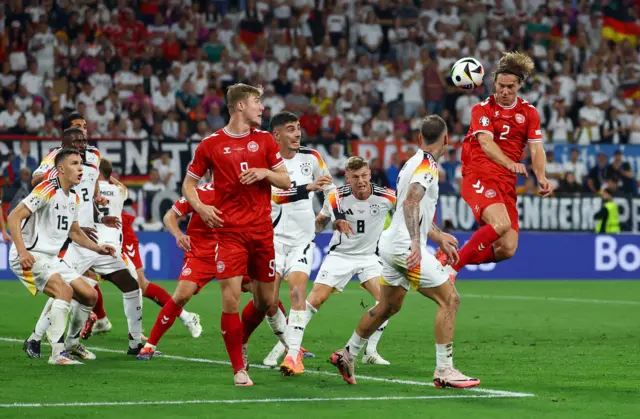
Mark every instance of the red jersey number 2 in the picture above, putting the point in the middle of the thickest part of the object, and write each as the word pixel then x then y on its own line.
pixel 505 131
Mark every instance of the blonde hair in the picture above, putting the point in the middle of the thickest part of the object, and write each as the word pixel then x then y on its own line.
pixel 516 63
pixel 355 163
pixel 239 92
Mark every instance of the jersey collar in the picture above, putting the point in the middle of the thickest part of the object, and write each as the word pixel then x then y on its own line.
pixel 515 102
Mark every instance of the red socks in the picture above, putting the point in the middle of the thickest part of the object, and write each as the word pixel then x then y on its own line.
pixel 99 307
pixel 251 319
pixel 281 307
pixel 231 327
pixel 164 321
pixel 157 294
pixel 486 256
pixel 477 247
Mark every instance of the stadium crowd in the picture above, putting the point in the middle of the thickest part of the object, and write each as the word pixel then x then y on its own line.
pixel 353 70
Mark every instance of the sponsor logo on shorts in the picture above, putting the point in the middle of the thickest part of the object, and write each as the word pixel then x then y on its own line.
pixel 186 272
pixel 484 121
pixel 490 193
pixel 519 118
pixel 253 146
pixel 220 266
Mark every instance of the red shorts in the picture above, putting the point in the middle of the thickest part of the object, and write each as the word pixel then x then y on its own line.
pixel 242 253
pixel 479 193
pixel 131 249
pixel 199 271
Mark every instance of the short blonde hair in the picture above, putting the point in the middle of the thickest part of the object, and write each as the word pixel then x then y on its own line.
pixel 239 92
pixel 515 63
pixel 355 163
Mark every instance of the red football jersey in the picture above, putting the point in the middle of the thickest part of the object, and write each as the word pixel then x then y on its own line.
pixel 128 233
pixel 202 237
pixel 243 207
pixel 511 128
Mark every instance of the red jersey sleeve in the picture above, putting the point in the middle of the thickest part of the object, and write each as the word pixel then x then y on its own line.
pixel 182 207
pixel 274 159
pixel 534 133
pixel 480 120
pixel 201 161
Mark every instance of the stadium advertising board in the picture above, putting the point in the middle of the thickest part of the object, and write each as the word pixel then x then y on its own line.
pixel 540 256
pixel 548 214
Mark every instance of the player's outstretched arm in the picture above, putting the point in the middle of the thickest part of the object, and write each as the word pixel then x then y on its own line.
pixel 209 214
pixel 538 161
pixel 77 235
pixel 36 179
pixel 170 220
pixel 494 152
pixel 411 210
pixel 14 221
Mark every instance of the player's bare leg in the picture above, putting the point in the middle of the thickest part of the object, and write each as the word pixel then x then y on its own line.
pixel 232 328
pixel 298 320
pixel 160 296
pixel 391 299
pixel 506 246
pixel 84 298
pixel 62 293
pixel 448 300
pixel 479 248
pixel 132 301
pixel 371 355
pixel 167 316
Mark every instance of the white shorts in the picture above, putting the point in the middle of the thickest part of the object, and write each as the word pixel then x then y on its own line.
pixel 82 259
pixel 337 269
pixel 294 259
pixel 44 268
pixel 428 274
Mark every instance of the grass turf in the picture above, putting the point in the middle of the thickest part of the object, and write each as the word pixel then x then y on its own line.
pixel 576 353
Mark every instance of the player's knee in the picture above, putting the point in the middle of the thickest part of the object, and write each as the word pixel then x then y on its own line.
pixel 506 250
pixel 64 292
pixel 502 225
pixel 181 300
pixel 453 302
pixel 90 297
pixel 389 310
pixel 297 294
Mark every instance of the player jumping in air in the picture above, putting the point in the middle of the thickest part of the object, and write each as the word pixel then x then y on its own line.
pixel 40 225
pixel 501 127
pixel 358 210
pixel 116 193
pixel 81 260
pixel 293 220
pixel 245 163
pixel 406 263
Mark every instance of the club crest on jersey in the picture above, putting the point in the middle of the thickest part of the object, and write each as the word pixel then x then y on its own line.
pixel 220 266
pixel 72 207
pixel 519 118
pixel 306 169
pixel 484 121
pixel 186 272
pixel 490 193
pixel 374 210
pixel 227 150
pixel 253 146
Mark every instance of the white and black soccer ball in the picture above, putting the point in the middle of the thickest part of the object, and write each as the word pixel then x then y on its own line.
pixel 467 73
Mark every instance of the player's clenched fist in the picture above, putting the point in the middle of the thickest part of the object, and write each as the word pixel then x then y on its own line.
pixel 184 243
pixel 343 226
pixel 111 221
pixel 415 256
pixel 546 188
pixel 27 260
pixel 518 169
pixel 210 215
pixel 253 175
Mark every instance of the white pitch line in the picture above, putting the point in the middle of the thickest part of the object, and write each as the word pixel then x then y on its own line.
pixel 241 401
pixel 497 393
pixel 556 299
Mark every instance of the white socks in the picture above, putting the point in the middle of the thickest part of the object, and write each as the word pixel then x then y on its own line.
pixel 295 332
pixel 43 322
pixel 278 324
pixel 132 301
pixel 311 310
pixel 372 346
pixel 79 315
pixel 444 355
pixel 355 345
pixel 58 317
pixel 184 316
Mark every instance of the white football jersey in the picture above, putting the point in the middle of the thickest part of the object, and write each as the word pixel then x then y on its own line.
pixel 87 186
pixel 422 168
pixel 367 218
pixel 292 209
pixel 52 213
pixel 116 196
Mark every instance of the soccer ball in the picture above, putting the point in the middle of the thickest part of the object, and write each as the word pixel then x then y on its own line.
pixel 467 73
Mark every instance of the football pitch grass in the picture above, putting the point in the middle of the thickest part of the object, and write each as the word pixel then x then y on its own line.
pixel 542 349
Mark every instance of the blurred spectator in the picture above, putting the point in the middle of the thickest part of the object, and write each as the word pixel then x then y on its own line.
pixel 24 159
pixel 607 219
pixel 555 171
pixel 154 184
pixel 378 175
pixel 21 187
pixel 34 118
pixel 9 117
pixel 336 161
pixel 623 174
pixel 450 168
pixel 599 174
pixel 569 185
pixel 575 166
